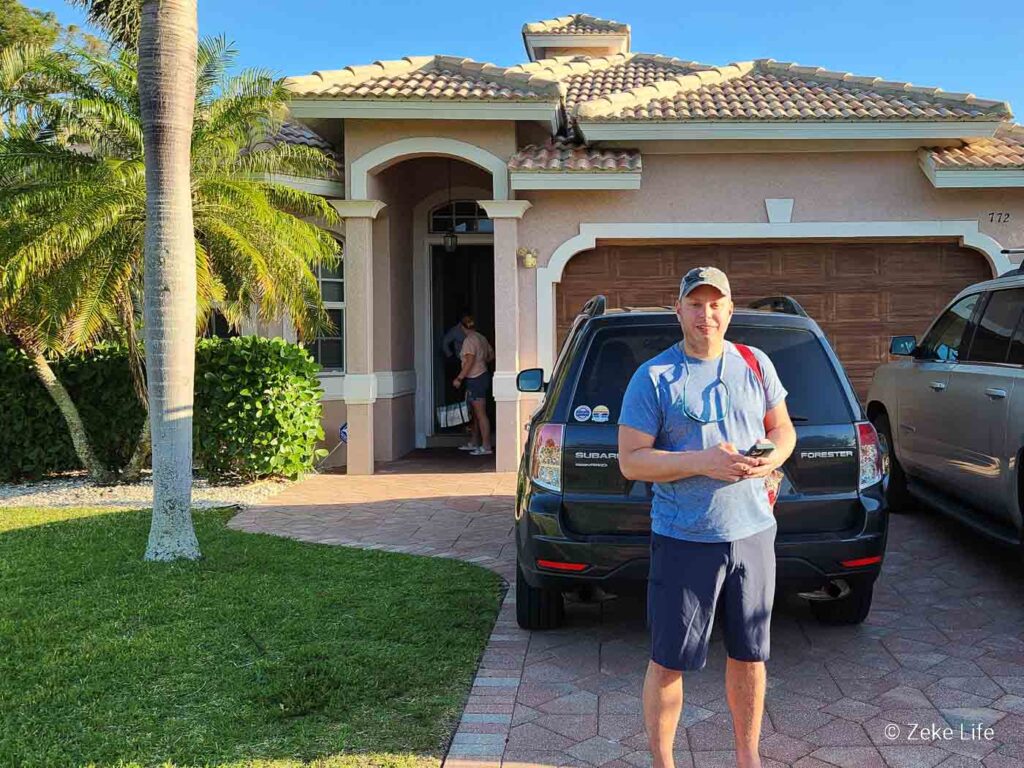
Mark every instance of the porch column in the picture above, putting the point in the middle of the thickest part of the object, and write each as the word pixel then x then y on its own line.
pixel 508 431
pixel 360 380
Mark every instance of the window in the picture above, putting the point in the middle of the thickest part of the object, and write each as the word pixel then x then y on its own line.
pixel 992 338
pixel 460 216
pixel 943 341
pixel 815 393
pixel 329 349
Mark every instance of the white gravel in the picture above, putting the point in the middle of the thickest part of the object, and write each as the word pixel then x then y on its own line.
pixel 76 491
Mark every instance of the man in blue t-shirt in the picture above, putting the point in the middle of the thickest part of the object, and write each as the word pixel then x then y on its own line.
pixel 689 415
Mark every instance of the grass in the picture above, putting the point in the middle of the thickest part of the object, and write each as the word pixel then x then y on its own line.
pixel 267 652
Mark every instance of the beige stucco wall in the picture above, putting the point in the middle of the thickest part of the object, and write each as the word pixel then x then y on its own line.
pixel 848 186
pixel 333 418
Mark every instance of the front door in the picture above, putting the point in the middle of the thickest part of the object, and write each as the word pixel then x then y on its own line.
pixel 462 280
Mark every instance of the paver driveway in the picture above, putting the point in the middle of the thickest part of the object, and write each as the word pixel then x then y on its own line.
pixel 944 644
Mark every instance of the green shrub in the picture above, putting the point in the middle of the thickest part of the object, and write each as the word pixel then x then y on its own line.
pixel 257 409
pixel 34 440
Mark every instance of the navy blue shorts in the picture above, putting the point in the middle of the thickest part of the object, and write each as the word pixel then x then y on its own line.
pixel 476 388
pixel 689 579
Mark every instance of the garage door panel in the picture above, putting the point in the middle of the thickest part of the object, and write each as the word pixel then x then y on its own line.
pixel 860 294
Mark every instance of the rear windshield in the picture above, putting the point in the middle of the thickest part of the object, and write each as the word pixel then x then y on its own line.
pixel 815 395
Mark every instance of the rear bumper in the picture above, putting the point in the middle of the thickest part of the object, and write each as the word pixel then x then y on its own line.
pixel 804 562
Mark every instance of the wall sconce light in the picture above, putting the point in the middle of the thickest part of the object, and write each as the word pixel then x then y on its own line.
pixel 451 241
pixel 529 257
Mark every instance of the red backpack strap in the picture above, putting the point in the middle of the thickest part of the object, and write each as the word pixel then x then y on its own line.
pixel 755 366
pixel 748 355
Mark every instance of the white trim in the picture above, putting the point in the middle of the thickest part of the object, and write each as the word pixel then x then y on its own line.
pixel 969 178
pixel 779 209
pixel 574 180
pixel 434 109
pixel 322 187
pixel 358 209
pixel 389 385
pixel 966 231
pixel 423 313
pixel 505 209
pixel 360 388
pixel 789 129
pixel 545 40
pixel 388 154
pixel 504 388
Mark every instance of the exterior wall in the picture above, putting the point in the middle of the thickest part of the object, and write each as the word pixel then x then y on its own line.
pixel 333 417
pixel 847 186
pixel 361 136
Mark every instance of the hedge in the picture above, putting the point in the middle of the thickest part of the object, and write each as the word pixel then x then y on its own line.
pixel 257 411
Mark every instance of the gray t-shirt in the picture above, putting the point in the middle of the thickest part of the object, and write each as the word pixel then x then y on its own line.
pixel 702 508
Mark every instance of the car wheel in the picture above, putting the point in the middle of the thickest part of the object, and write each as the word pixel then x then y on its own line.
pixel 896 494
pixel 852 609
pixel 537 608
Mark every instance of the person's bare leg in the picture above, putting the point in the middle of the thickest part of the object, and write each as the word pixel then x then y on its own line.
pixel 474 428
pixel 481 418
pixel 745 683
pixel 663 704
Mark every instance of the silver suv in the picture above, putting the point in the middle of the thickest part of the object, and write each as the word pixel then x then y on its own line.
pixel 952 413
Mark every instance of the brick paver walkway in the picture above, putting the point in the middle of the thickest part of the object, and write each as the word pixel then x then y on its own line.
pixel 944 645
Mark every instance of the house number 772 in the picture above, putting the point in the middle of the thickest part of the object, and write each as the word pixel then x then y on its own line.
pixel 999 217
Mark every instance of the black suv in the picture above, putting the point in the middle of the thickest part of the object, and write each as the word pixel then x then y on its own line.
pixel 580 524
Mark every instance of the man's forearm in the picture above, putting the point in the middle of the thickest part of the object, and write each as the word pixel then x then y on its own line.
pixel 654 465
pixel 784 439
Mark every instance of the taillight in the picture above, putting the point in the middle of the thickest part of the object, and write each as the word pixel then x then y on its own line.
pixel 870 455
pixel 546 458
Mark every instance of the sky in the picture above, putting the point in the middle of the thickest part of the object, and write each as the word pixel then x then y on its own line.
pixel 958 46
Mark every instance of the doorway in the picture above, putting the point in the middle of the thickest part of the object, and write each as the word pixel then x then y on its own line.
pixel 463 279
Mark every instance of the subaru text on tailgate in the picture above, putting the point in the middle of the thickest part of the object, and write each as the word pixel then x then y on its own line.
pixel 580 524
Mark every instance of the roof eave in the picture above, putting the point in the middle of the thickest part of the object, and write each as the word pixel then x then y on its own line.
pixel 971 177
pixel 427 109
pixel 626 130
pixel 568 180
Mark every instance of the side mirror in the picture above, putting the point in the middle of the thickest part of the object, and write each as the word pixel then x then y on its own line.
pixel 530 380
pixel 903 346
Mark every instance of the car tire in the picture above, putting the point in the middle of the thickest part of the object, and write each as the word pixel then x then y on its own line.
pixel 537 608
pixel 852 609
pixel 897 496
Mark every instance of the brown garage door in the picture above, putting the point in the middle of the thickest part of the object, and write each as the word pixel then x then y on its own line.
pixel 860 294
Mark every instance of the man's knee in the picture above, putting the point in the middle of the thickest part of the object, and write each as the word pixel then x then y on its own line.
pixel 663 675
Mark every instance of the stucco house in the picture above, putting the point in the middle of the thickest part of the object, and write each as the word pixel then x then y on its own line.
pixel 592 168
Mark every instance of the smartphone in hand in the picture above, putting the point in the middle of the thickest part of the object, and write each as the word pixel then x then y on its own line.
pixel 761 448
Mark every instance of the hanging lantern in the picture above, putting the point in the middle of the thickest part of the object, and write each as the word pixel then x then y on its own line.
pixel 451 241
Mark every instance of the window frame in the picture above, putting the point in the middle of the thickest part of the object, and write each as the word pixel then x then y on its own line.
pixel 314 344
pixel 478 215
pixel 968 331
pixel 976 321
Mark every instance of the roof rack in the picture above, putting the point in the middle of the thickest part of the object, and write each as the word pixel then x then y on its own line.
pixel 595 306
pixel 785 304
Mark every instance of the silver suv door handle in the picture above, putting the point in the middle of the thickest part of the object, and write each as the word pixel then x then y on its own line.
pixel 995 393
pixel 938 386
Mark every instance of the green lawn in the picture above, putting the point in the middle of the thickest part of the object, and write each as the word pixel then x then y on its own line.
pixel 267 652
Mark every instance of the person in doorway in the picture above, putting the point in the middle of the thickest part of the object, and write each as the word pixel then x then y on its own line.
pixel 688 417
pixel 451 348
pixel 476 353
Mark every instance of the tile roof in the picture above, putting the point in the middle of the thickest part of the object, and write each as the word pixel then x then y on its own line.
pixel 769 90
pixel 575 24
pixel 1005 150
pixel 624 72
pixel 562 156
pixel 296 133
pixel 426 78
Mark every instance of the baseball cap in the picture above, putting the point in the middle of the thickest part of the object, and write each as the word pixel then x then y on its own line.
pixel 704 276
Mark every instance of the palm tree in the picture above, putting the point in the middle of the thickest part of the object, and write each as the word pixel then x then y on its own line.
pixel 78 221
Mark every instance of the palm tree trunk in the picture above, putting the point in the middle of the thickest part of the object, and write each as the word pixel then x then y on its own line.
pixel 79 437
pixel 135 464
pixel 168 39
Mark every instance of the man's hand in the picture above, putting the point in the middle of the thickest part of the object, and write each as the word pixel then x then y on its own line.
pixel 724 462
pixel 763 466
pixel 457 382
